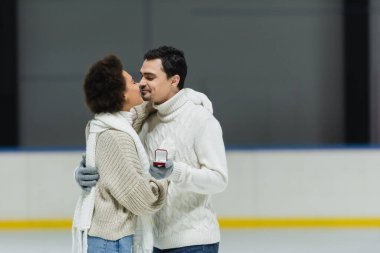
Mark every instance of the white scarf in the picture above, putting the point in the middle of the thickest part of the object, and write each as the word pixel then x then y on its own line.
pixel 143 238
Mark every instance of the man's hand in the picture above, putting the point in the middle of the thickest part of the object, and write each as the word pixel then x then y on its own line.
pixel 161 172
pixel 86 177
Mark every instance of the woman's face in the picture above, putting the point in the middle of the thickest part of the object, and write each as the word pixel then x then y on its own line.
pixel 132 93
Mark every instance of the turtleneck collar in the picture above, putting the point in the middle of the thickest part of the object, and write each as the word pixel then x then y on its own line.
pixel 170 108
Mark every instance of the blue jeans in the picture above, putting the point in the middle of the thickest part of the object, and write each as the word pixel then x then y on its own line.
pixel 100 245
pixel 209 248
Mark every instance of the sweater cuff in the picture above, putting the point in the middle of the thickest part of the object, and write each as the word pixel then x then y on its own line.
pixel 178 172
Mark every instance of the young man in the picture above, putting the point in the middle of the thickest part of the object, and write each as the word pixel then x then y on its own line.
pixel 194 139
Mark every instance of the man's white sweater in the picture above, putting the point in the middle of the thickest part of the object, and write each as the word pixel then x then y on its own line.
pixel 200 170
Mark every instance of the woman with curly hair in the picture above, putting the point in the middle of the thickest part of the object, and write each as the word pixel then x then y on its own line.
pixel 106 215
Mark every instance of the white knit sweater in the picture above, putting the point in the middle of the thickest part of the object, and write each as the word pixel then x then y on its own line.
pixel 194 139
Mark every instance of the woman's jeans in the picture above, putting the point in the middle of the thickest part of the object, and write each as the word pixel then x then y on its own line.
pixel 99 245
pixel 209 248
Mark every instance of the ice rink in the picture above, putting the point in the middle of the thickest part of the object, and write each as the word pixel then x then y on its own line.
pixel 233 241
pixel 294 86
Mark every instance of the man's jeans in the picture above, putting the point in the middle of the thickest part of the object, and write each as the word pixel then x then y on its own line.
pixel 209 248
pixel 99 245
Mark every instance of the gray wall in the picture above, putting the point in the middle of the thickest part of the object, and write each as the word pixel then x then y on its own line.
pixel 273 69
pixel 375 69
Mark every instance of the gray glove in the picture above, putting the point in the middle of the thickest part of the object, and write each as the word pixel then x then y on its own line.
pixel 86 177
pixel 161 172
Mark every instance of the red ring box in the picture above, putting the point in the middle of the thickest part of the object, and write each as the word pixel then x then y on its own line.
pixel 161 155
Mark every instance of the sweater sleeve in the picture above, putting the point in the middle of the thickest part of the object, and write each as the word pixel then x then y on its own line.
pixel 212 176
pixel 121 174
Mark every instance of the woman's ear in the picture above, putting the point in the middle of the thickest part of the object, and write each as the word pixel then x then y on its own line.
pixel 125 95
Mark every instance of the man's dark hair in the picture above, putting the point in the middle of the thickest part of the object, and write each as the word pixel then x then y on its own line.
pixel 104 86
pixel 173 61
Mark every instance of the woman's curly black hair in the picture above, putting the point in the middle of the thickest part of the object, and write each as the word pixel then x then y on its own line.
pixel 104 85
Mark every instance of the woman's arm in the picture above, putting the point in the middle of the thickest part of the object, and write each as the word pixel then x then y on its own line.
pixel 122 175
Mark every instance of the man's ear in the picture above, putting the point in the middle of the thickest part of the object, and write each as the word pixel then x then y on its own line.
pixel 175 80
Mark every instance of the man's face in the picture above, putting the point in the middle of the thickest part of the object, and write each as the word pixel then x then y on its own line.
pixel 155 86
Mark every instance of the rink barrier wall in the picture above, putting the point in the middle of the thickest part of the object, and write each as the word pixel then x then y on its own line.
pixel 300 187
pixel 225 223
